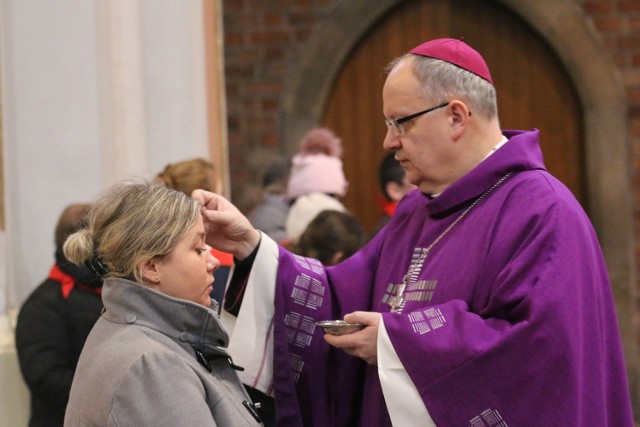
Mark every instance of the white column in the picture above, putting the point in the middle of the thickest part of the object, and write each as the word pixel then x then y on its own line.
pixel 174 77
pixel 122 89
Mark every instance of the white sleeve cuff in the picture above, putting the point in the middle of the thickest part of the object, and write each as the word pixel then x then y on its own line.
pixel 251 333
pixel 404 403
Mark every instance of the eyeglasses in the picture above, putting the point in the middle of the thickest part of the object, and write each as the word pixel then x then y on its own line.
pixel 397 123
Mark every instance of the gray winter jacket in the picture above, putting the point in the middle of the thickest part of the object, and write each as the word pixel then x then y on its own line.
pixel 140 366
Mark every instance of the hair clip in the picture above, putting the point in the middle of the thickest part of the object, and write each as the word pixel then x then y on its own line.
pixel 97 266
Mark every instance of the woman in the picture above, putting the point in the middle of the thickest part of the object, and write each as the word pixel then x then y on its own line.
pixel 157 354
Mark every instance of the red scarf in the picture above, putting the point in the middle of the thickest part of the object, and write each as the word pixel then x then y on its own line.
pixel 224 258
pixel 388 206
pixel 67 282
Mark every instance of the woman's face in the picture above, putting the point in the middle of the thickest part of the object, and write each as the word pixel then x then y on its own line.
pixel 187 272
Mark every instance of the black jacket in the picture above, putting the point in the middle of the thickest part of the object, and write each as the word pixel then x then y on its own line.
pixel 50 334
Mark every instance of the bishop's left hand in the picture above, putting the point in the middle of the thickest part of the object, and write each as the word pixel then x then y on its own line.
pixel 362 344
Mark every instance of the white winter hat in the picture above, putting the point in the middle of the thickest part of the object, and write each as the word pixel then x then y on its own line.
pixel 305 209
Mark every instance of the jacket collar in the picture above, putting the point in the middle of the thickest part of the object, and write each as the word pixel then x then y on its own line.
pixel 126 301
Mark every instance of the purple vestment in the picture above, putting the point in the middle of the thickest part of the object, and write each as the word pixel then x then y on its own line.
pixel 509 318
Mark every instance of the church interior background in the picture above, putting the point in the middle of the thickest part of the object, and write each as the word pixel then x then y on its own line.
pixel 241 81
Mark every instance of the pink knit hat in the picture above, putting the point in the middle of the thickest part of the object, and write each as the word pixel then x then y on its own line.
pixel 317 167
pixel 455 52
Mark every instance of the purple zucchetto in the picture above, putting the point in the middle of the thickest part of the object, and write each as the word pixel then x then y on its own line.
pixel 455 52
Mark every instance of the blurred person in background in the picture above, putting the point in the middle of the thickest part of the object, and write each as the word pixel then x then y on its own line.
pixel 271 213
pixel 393 186
pixel 316 181
pixel 331 237
pixel 53 325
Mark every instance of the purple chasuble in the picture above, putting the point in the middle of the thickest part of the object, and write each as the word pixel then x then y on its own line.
pixel 508 318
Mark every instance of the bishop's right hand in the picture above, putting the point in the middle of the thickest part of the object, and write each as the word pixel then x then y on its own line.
pixel 227 229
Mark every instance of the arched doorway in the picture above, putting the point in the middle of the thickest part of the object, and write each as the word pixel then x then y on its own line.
pixel 533 89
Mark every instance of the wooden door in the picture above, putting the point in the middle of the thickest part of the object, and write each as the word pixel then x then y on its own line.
pixel 534 90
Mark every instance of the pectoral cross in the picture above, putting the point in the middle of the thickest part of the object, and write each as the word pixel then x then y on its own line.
pixel 397 302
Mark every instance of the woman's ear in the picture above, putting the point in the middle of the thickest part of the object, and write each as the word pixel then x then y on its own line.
pixel 149 271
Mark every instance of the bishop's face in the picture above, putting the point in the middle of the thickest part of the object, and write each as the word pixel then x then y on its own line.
pixel 424 148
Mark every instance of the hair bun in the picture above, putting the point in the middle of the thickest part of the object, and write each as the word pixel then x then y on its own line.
pixel 79 246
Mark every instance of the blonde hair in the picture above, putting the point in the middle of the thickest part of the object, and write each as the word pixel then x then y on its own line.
pixel 132 221
pixel 189 175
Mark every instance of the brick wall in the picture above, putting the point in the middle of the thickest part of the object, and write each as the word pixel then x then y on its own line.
pixel 263 41
pixel 617 23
